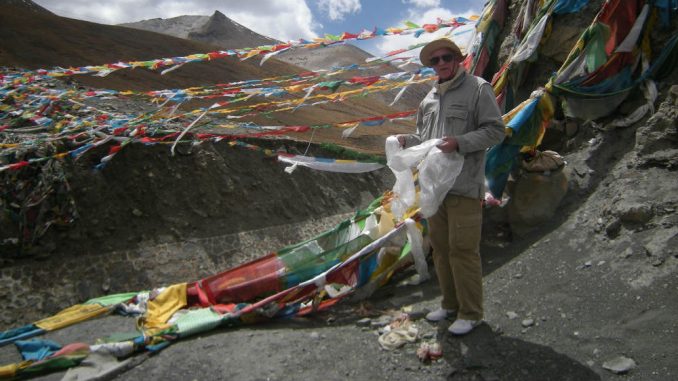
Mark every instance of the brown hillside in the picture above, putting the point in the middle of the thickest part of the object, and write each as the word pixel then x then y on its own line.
pixel 37 40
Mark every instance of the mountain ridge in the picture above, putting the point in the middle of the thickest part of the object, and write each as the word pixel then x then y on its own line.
pixel 217 30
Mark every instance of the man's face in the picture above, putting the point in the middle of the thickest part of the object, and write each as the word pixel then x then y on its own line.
pixel 445 63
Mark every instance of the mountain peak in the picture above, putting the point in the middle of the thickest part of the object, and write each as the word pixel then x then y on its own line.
pixel 223 31
pixel 27 4
pixel 218 14
pixel 217 29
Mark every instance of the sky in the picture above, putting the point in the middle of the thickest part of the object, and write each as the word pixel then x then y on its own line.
pixel 284 20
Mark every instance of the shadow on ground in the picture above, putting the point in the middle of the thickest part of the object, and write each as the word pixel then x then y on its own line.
pixel 486 355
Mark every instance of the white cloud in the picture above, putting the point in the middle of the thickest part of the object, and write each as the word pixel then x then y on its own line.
pixel 291 20
pixel 281 19
pixel 336 9
pixel 423 3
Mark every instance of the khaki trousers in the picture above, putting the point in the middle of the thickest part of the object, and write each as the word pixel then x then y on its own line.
pixel 455 237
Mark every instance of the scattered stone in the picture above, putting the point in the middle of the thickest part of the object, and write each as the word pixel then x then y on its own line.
pixel 527 323
pixel 627 253
pixel 511 315
pixel 463 349
pixel 658 262
pixel 613 228
pixel 314 335
pixel 136 212
pixel 416 315
pixel 580 171
pixel 381 321
pixel 600 263
pixel 638 214
pixel 619 365
pixel 648 252
pixel 364 322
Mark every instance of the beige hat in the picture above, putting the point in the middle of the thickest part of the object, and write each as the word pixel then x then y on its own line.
pixel 434 45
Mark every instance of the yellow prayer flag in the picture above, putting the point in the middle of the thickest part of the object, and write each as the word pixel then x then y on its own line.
pixel 71 315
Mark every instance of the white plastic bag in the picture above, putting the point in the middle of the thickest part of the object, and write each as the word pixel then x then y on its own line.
pixel 437 173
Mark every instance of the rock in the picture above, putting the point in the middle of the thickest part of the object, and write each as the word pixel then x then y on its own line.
pixel 314 335
pixel 658 262
pixel 638 214
pixel 416 315
pixel 136 212
pixel 365 322
pixel 571 127
pixel 381 321
pixel 555 46
pixel 534 200
pixel 613 228
pixel 619 365
pixel 527 323
pixel 511 315
pixel 463 349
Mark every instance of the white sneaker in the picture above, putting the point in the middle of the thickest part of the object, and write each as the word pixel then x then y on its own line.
pixel 439 314
pixel 462 327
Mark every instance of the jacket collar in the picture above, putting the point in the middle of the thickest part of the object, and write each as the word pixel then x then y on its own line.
pixel 456 81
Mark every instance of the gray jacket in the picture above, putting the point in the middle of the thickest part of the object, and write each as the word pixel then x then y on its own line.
pixel 466 109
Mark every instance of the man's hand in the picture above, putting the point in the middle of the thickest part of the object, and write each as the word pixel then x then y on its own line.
pixel 401 140
pixel 448 145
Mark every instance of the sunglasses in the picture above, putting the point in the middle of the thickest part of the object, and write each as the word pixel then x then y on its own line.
pixel 446 58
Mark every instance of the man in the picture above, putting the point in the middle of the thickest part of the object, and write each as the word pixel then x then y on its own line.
pixel 461 109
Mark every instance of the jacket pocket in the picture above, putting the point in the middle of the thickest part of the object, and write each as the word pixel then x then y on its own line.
pixel 467 231
pixel 427 124
pixel 455 119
